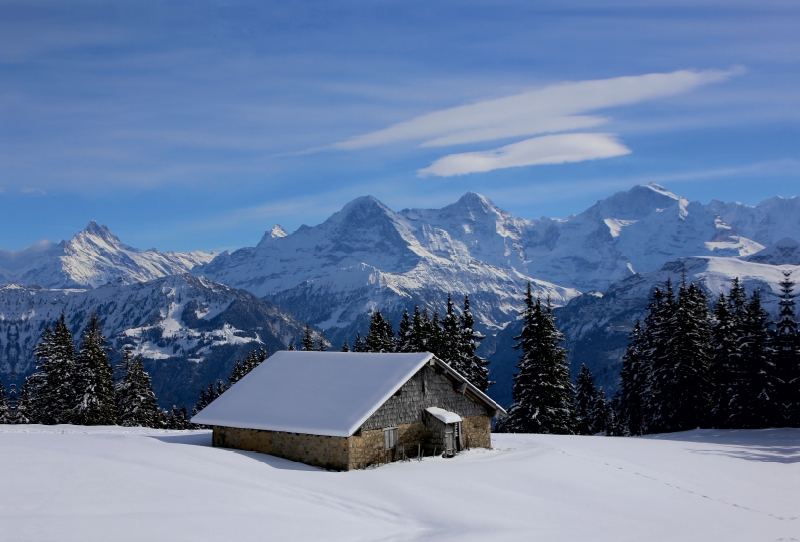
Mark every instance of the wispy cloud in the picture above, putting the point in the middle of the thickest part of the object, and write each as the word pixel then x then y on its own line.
pixel 555 108
pixel 551 149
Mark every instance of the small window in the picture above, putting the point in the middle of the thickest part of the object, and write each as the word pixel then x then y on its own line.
pixel 390 438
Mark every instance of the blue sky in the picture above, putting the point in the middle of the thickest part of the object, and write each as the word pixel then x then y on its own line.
pixel 192 125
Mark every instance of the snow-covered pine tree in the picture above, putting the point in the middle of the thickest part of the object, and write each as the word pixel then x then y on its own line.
pixel 136 402
pixel 417 342
pixel 758 406
pixel 322 344
pixel 786 356
pixel 724 362
pixel 405 333
pixel 381 335
pixel 613 415
pixel 449 349
pixel 433 340
pixel 183 419
pixel 6 416
pixel 682 387
pixel 237 372
pixel 178 418
pixel 657 334
pixel 600 410
pixel 633 376
pixel 22 408
pixel 729 318
pixel 585 391
pixel 308 339
pixel 476 368
pixel 95 402
pixel 543 391
pixel 53 391
pixel 359 345
pixel 345 346
pixel 291 347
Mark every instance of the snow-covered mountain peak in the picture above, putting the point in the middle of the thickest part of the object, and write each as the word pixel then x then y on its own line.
pixel 93 257
pixel 277 231
pixel 783 252
pixel 472 201
pixel 655 187
pixel 638 203
pixel 362 210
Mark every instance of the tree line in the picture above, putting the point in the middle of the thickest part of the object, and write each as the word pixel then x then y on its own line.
pixel 79 386
pixel 730 366
pixel 76 385
pixel 451 337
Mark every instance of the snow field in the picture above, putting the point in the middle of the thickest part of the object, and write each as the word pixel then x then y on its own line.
pixel 111 483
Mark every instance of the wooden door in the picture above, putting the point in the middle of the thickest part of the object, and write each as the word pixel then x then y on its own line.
pixel 449 439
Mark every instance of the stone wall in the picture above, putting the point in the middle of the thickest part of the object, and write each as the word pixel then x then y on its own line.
pixel 317 450
pixel 477 432
pixel 425 389
pixel 368 447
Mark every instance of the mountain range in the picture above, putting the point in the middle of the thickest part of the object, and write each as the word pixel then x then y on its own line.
pixel 599 266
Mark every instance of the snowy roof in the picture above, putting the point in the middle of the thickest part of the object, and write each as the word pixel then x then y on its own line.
pixel 319 393
pixel 444 415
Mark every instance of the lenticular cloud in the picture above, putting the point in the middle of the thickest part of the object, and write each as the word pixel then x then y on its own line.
pixel 563 107
pixel 552 149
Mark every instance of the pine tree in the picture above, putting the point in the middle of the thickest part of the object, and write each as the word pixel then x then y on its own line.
pixel 345 346
pixel 585 395
pixel 237 372
pixel 681 383
pixel 418 340
pixel 6 416
pixel 449 349
pixel 381 335
pixel 633 376
pixel 657 334
pixel 136 402
pixel 322 344
pixel 723 341
pixel 600 411
pixel 786 357
pixel 729 319
pixel 308 340
pixel 758 405
pixel 359 345
pixel 178 418
pixel 543 391
pixel 53 392
pixel 405 333
pixel 475 368
pixel 95 405
pixel 614 428
pixel 22 409
pixel 291 347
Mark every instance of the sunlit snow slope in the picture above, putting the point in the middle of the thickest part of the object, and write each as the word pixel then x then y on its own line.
pixel 84 484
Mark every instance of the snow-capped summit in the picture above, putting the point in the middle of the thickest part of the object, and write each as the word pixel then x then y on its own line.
pixel 91 258
pixel 277 231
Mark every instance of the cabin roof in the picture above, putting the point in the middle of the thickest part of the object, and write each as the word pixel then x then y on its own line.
pixel 319 393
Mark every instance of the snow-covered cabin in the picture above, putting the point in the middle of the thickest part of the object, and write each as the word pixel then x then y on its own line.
pixel 348 410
